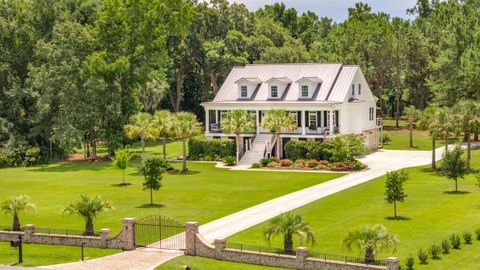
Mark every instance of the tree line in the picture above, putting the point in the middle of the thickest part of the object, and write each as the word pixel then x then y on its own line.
pixel 73 72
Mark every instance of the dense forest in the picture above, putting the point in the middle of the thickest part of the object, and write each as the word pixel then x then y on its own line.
pixel 74 71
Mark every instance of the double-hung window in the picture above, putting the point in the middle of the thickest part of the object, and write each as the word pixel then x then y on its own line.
pixel 304 91
pixel 243 91
pixel 274 91
pixel 359 89
pixel 353 89
pixel 312 120
pixel 371 113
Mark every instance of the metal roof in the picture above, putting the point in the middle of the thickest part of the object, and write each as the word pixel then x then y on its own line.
pixel 334 81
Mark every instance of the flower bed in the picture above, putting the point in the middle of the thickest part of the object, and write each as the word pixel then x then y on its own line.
pixel 308 165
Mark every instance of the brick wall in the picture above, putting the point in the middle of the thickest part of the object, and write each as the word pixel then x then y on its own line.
pixel 124 240
pixel 196 245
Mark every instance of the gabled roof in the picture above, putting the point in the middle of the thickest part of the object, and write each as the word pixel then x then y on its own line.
pixel 283 80
pixel 333 81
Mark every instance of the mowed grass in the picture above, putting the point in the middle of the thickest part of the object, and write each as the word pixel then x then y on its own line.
pixel 431 213
pixel 204 194
pixel 400 137
pixel 34 254
pixel 199 263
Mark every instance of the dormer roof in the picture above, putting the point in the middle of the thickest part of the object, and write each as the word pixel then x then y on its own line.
pixel 249 80
pixel 310 79
pixel 282 80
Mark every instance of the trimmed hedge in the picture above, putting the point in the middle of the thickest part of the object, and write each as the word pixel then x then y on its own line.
pixel 308 150
pixel 211 149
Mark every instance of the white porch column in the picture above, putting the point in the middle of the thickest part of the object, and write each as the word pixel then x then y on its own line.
pixel 303 123
pixel 257 121
pixel 330 121
pixel 207 121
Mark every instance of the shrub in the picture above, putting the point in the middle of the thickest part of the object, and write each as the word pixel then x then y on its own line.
pixel 410 262
pixel 230 160
pixel 344 148
pixel 455 241
pixel 477 233
pixel 321 167
pixel 386 138
pixel 313 163
pixel 285 162
pixel 264 162
pixel 295 150
pixel 273 164
pixel 324 162
pixel 445 247
pixel 357 165
pixel 32 156
pixel 273 159
pixel 256 165
pixel 3 160
pixel 297 166
pixel 300 162
pixel 467 237
pixel 422 256
pixel 210 149
pixel 435 251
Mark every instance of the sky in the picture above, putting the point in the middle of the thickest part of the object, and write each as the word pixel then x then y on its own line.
pixel 337 9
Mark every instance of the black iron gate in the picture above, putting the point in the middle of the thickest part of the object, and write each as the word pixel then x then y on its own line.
pixel 160 232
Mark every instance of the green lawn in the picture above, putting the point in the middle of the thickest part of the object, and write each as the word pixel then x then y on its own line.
pixel 432 214
pixel 47 254
pixel 199 263
pixel 205 194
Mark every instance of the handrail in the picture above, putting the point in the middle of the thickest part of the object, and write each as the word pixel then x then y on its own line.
pixel 269 146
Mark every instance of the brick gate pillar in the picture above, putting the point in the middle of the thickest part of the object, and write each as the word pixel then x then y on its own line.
pixel 29 230
pixel 393 263
pixel 191 230
pixel 129 229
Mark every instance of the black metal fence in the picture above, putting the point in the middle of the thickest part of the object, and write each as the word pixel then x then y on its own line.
pixel 312 254
pixel 8 228
pixel 63 231
pixel 345 258
pixel 259 249
pixel 160 232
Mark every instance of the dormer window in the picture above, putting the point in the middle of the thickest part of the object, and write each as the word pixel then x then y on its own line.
pixel 274 91
pixel 353 89
pixel 359 89
pixel 304 91
pixel 243 91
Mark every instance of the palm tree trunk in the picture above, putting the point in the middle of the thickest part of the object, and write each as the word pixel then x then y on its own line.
pixel 288 244
pixel 469 150
pixel 142 142
pixel 89 231
pixel 184 153
pixel 16 223
pixel 456 185
pixel 434 166
pixel 278 145
pixel 411 133
pixel 446 144
pixel 164 148
pixel 84 144
pixel 369 257
pixel 238 146
pixel 123 175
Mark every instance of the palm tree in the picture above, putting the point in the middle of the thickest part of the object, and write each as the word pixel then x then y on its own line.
pixel 469 118
pixel 429 120
pixel 370 240
pixel 276 121
pixel 163 122
pixel 289 225
pixel 14 206
pixel 141 126
pixel 88 208
pixel 186 126
pixel 412 115
pixel 448 124
pixel 238 121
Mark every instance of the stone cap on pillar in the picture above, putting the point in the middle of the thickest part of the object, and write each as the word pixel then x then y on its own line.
pixel 192 226
pixel 393 259
pixel 302 251
pixel 220 243
pixel 29 226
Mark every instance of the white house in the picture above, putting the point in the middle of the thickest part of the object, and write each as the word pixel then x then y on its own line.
pixel 325 99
